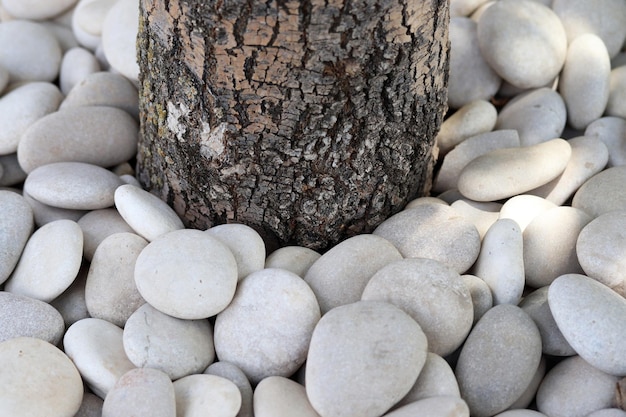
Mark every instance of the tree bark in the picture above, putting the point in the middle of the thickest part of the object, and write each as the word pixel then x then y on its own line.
pixel 310 120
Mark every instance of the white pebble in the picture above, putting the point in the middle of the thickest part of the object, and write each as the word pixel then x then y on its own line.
pixel 433 407
pixel 97 225
pixel 481 295
pixel 119 37
pixel 277 396
pixel 246 245
pixel 524 208
pixel 77 64
pixel 16 223
pixel 603 192
pixel 610 130
pixel 22 316
pixel 296 259
pixel 206 395
pixel 472 119
pixel 234 374
pixel 36 9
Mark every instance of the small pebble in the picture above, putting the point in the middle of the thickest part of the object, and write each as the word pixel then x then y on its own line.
pixel 481 214
pixel 433 407
pixel 71 304
pixel 276 396
pixel 206 395
pixel 45 214
pixel 234 374
pixel 472 119
pixel 464 7
pixel 97 225
pixel 16 223
pixel 22 316
pixel 610 131
pixel 524 208
pixel 12 173
pixel 119 35
pixel 76 65
pixel 91 406
pixel 296 259
pixel 246 245
pixel 482 298
pixel 602 193
pixel 87 20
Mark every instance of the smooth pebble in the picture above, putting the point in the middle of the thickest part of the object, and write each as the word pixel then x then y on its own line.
pixel 16 223
pixel 610 130
pixel 616 105
pixel 296 259
pixel 119 35
pixel 433 407
pixel 36 9
pixel 472 119
pixel 71 304
pixel 602 193
pixel 277 396
pixel 234 374
pixel 22 316
pixel 76 65
pixel 482 298
pixel 97 225
pixel 91 406
pixel 45 214
pixel 246 245
pixel 12 173
pixel 206 395
pixel 524 208
pixel 608 412
pixel 481 214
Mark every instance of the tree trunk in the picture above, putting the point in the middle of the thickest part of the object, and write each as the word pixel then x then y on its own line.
pixel 310 120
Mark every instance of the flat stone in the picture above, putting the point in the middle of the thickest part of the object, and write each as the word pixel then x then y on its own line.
pixel 575 388
pixel 296 259
pixel 539 39
pixel 246 245
pixel 22 107
pixel 616 105
pixel 146 213
pixel 481 295
pixel 49 263
pixel 110 290
pixel 72 185
pixel 504 173
pixel 16 223
pixel 498 360
pixel 102 136
pixel 472 119
pixel 431 293
pixel 536 306
pixel 141 392
pixel 345 348
pixel 119 35
pixel 600 248
pixel 537 115
pixel 610 130
pixel 77 64
pixel 267 327
pixel 96 348
pixel 234 374
pixel 97 225
pixel 602 193
pixel 37 380
pixel 187 274
pixel 501 262
pixel 589 156
pixel 22 316
pixel 589 314
pixel 206 395
pixel 584 80
pixel 471 78
pixel 433 231
pixel 36 9
pixel 434 406
pixel 524 208
pixel 481 214
pixel 341 274
pixel 277 396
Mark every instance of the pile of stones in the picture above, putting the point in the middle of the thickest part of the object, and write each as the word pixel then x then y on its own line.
pixel 502 294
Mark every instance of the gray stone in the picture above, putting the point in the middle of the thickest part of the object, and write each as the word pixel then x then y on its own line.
pixel 206 395
pixel 608 412
pixel 472 119
pixel 91 406
pixel 610 131
pixel 141 392
pixel 71 304
pixel 602 193
pixel 12 173
pixel 97 225
pixel 16 223
pixel 22 316
pixel 433 407
pixel 482 299
pixel 246 245
pixel 277 396
pixel 296 259
pixel 234 374
pixel 527 398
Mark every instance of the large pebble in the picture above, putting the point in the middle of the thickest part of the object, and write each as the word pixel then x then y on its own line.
pixel 471 77
pixel 97 225
pixel 589 156
pixel 472 119
pixel 524 208
pixel 110 291
pixel 550 245
pixel 610 130
pixel 30 52
pixel 296 259
pixel 26 317
pixel 601 247
pixel 508 172
pixel 590 316
pixel 433 231
pixel 146 213
pixel 341 274
pixel 527 398
pixel 602 193
pixel 96 348
pixel 177 347
pixel 50 261
pixel 77 64
pixel 537 115
pixel 141 392
pixel 433 407
pixel 206 395
pixel 36 9
pixel 539 39
pixel 16 223
pixel 574 388
pixel 277 396
pixel 37 379
pixel 119 35
pixel 470 149
pixel 363 359
pixel 498 360
pixel 21 108
pixel 187 274
pixel 431 293
pixel 73 185
pixel 267 327
pixel 501 262
pixel 246 245
pixel 482 298
pixel 103 136
pixel 234 374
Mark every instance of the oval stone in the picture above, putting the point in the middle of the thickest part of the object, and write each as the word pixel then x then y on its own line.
pixel 267 327
pixel 77 64
pixel 616 105
pixel 431 293
pixel 296 259
pixel 347 372
pixel 102 136
pixel 436 379
pixel 498 360
pixel 45 214
pixel 71 304
pixel 97 225
pixel 277 396
pixel 234 374
pixel 602 193
pixel 482 214
pixel 50 261
pixel 433 231
pixel 611 131
pixel 36 9
pixel 16 223
pixel 504 173
pixel 119 35
pixel 206 395
pixel 22 316
pixel 246 245
pixel 73 185
pixel 524 208
pixel 472 119
pixel 187 274
pixel 481 295
pixel 341 274
pixel 37 379
pixel 433 407
pixel 141 392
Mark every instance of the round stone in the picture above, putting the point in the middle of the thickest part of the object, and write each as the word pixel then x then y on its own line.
pixel 433 231
pixel 119 36
pixel 141 392
pixel 97 225
pixel 492 374
pixel 187 274
pixel 110 291
pixel 16 223
pixel 206 395
pixel 77 64
pixel 436 379
pixel 72 185
pixel 267 327
pixel 434 406
pixel 610 131
pixel 341 274
pixel 482 299
pixel 246 245
pixel 508 172
pixel 146 213
pixel 602 193
pixel 431 293
pixel 472 119
pixel 584 81
pixel 234 374
pixel 465 7
pixel 277 396
pixel 589 314
pixel 96 348
pixel 524 208
pixel 347 375
pixel 296 259
pixel 26 317
pixel 37 380
pixel 539 39
pixel 50 261
pixel 177 347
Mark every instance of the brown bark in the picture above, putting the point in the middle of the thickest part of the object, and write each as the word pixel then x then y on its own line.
pixel 310 120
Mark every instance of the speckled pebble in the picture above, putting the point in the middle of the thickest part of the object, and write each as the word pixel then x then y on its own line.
pixel 22 316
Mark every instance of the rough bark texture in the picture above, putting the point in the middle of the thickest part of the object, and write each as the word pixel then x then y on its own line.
pixel 310 120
